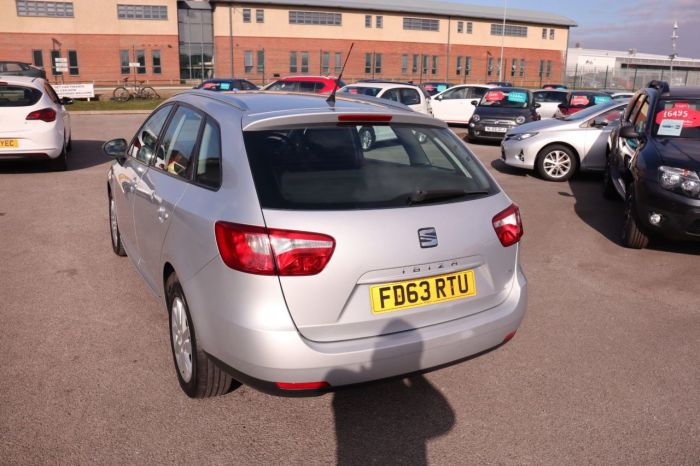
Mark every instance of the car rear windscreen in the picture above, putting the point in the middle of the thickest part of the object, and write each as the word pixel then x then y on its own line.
pixel 362 167
pixel 18 96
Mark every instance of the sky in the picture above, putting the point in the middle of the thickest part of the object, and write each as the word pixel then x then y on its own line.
pixel 645 25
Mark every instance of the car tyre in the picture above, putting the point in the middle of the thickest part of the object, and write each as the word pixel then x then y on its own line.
pixel 69 146
pixel 60 163
pixel 556 163
pixel 116 237
pixel 367 137
pixel 609 191
pixel 197 373
pixel 632 236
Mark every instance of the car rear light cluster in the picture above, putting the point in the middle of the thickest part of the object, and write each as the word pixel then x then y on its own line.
pixel 508 226
pixel 45 114
pixel 267 251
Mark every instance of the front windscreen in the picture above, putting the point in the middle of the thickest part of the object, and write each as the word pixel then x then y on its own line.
pixel 677 118
pixel 588 100
pixel 338 167
pixel 506 98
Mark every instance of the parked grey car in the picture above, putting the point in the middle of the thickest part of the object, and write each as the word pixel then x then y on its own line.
pixel 17 68
pixel 292 259
pixel 557 148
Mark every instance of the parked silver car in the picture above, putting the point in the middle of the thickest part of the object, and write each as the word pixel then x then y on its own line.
pixel 557 148
pixel 290 258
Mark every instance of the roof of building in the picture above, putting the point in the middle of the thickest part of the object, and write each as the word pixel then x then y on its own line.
pixel 425 7
pixel 625 54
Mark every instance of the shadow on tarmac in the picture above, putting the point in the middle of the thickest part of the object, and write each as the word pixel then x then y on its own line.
pixel 85 154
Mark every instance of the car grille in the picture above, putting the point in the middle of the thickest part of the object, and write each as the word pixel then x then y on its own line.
pixel 494 122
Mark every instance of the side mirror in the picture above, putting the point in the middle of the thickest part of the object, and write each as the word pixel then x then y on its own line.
pixel 116 148
pixel 599 122
pixel 536 105
pixel 629 132
pixel 66 101
pixel 475 102
pixel 438 97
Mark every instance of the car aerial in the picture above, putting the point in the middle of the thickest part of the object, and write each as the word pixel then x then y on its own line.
pixel 501 109
pixel 313 84
pixel 435 87
pixel 227 84
pixel 655 165
pixel 407 94
pixel 549 100
pixel 558 148
pixel 33 121
pixel 292 260
pixel 454 105
pixel 557 87
pixel 18 68
pixel 500 84
pixel 578 100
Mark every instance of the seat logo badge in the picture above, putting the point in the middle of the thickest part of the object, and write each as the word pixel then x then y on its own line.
pixel 427 237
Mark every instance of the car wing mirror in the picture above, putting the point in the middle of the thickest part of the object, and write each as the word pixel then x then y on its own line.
pixel 537 105
pixel 629 132
pixel 475 102
pixel 115 148
pixel 599 122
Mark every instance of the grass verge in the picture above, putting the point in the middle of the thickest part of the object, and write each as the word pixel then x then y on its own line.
pixel 106 105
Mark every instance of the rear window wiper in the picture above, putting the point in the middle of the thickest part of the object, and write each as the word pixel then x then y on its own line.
pixel 420 196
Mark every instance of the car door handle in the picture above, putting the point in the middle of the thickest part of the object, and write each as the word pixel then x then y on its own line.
pixel 162 214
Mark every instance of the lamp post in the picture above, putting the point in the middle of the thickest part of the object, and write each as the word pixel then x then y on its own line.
pixel 503 38
pixel 674 38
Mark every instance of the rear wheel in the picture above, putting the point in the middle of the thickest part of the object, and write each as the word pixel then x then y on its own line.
pixel 632 236
pixel 148 93
pixel 60 163
pixel 198 375
pixel 117 245
pixel 556 163
pixel 121 94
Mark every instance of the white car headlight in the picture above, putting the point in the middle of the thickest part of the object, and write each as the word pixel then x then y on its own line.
pixel 476 118
pixel 521 136
pixel 679 180
pixel 520 120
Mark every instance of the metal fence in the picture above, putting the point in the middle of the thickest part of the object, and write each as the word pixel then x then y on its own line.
pixel 629 79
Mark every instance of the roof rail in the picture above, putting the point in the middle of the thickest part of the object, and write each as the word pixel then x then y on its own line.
pixel 226 98
pixel 661 86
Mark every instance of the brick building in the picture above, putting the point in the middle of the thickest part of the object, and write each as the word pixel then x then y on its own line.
pixel 169 41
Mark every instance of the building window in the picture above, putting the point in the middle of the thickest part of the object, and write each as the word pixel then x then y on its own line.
pixel 460 27
pixel 541 68
pixel 315 17
pixel 338 62
pixel 415 64
pixel 259 16
pixel 551 34
pixel 246 15
pixel 50 9
pixel 435 64
pixel 368 21
pixel 141 58
pixel 404 64
pixel 511 30
pixel 489 66
pixel 155 61
pixel 304 62
pixel 196 43
pixel 378 63
pixel 124 61
pixel 73 69
pixel 54 55
pixel 261 61
pixel 379 22
pixel 544 33
pixel 248 61
pixel 470 27
pixel 37 58
pixel 467 66
pixel 549 69
pixel 142 12
pixel 513 67
pixel 325 63
pixel 522 67
pixel 292 62
pixel 424 59
pixel 421 24
pixel 368 63
pixel 458 69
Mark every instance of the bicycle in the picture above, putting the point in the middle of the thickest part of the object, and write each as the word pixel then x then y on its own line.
pixel 139 91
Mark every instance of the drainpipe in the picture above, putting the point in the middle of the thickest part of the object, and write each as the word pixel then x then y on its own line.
pixel 230 37
pixel 447 60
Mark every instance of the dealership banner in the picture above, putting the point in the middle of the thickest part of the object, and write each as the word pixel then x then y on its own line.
pixel 75 91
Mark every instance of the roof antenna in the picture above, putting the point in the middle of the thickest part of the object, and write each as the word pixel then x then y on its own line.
pixel 331 98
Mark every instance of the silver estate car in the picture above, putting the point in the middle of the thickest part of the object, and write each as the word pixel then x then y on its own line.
pixel 557 148
pixel 291 259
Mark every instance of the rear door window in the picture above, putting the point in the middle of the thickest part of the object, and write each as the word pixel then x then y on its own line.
pixel 289 86
pixel 325 167
pixel 409 96
pixel 310 86
pixel 18 96
pixel 175 150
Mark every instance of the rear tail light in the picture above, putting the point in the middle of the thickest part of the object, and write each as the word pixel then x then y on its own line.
pixel 509 336
pixel 45 114
pixel 266 251
pixel 508 226
pixel 302 385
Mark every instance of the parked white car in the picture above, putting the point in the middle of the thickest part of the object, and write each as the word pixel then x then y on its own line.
pixel 404 93
pixel 454 104
pixel 33 121
pixel 549 100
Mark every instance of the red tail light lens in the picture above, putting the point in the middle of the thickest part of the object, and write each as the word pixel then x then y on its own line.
pixel 508 226
pixel 45 114
pixel 264 251
pixel 302 385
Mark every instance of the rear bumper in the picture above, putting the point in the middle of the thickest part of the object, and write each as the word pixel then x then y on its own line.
pixel 681 214
pixel 261 357
pixel 45 141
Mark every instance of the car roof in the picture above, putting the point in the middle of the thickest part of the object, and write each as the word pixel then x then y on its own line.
pixel 306 78
pixel 34 81
pixel 511 89
pixel 381 85
pixel 563 91
pixel 683 91
pixel 589 93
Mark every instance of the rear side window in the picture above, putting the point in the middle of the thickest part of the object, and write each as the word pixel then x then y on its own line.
pixel 174 154
pixel 289 86
pixel 18 96
pixel 370 91
pixel 208 171
pixel 310 86
pixel 410 97
pixel 327 168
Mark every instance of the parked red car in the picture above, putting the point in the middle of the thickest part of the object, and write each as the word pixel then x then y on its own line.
pixel 315 84
pixel 578 100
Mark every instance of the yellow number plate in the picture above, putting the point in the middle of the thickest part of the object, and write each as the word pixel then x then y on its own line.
pixel 9 143
pixel 430 290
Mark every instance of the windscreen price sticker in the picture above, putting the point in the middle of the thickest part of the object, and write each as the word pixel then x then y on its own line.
pixel 670 128
pixel 688 116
